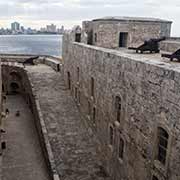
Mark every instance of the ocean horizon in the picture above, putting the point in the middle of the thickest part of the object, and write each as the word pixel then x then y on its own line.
pixel 31 44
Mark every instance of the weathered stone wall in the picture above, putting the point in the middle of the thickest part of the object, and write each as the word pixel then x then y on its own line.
pixel 29 94
pixel 108 32
pixel 150 99
pixel 170 45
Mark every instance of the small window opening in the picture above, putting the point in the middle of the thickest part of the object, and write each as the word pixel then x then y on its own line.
pixel 76 93
pixel 89 109
pixel 162 145
pixel 79 97
pixel 111 135
pixel 95 37
pixel 78 74
pixel 118 108
pixel 121 148
pixel 94 114
pixel 92 87
pixel 69 80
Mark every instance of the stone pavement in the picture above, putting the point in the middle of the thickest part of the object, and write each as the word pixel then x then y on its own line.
pixel 73 147
pixel 23 158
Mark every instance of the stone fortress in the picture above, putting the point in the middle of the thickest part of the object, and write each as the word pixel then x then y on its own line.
pixel 102 112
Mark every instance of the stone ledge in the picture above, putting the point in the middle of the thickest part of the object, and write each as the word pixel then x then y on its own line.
pixel 44 139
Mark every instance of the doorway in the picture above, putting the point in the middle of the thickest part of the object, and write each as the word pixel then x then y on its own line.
pixel 123 38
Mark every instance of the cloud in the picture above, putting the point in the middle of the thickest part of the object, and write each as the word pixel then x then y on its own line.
pixel 36 12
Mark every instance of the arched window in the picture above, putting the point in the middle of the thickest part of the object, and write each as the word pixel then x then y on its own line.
pixel 121 148
pixel 162 145
pixel 111 135
pixel 118 108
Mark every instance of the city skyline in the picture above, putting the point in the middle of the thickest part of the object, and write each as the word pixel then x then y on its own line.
pixel 35 13
pixel 17 28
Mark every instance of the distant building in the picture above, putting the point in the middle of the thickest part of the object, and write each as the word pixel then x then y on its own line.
pixel 61 30
pixel 51 28
pixel 15 27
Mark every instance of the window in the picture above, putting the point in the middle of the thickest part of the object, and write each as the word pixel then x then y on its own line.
pixel 95 37
pixel 118 108
pixel 89 108
pixel 79 97
pixel 123 37
pixel 78 74
pixel 78 37
pixel 76 93
pixel 162 145
pixel 94 114
pixel 121 148
pixel 154 178
pixel 111 135
pixel 92 87
pixel 69 80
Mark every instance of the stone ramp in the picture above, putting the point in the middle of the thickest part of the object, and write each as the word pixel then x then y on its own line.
pixel 23 158
pixel 73 148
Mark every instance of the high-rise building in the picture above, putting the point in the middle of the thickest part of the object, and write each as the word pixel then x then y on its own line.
pixel 51 28
pixel 15 26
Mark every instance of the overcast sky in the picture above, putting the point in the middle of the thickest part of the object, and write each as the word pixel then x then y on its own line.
pixel 38 13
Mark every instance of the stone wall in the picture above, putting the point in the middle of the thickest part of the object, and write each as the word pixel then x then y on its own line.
pixel 29 94
pixel 170 45
pixel 108 32
pixel 149 99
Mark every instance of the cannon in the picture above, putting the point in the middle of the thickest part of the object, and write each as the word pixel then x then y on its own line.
pixel 151 45
pixel 175 55
pixel 30 61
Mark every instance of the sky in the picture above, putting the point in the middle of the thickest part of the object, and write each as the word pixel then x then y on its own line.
pixel 38 13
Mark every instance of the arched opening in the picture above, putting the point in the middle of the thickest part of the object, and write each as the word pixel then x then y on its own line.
pixel 14 88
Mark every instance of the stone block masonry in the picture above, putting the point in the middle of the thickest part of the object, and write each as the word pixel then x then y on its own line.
pixel 148 89
pixel 69 147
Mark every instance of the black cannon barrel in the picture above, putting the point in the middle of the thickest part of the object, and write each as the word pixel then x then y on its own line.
pixel 166 55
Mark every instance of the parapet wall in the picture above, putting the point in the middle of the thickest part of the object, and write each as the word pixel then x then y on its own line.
pixel 170 45
pixel 149 92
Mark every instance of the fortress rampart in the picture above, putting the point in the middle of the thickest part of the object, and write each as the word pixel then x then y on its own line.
pixel 126 99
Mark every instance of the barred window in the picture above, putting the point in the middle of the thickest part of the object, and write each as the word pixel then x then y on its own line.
pixel 162 145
